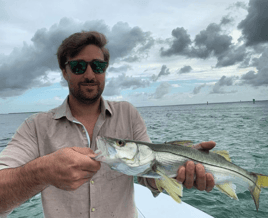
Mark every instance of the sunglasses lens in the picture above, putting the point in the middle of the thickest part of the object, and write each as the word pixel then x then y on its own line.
pixel 78 67
pixel 98 66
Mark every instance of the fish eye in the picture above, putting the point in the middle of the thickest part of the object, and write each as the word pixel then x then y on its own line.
pixel 121 143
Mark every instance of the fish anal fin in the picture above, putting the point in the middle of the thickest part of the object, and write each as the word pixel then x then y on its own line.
pixel 228 189
pixel 172 187
pixel 224 154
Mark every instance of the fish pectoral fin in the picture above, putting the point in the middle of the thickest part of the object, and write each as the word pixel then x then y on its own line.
pixel 228 189
pixel 172 187
pixel 224 154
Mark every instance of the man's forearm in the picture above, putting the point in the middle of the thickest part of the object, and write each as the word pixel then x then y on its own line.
pixel 19 184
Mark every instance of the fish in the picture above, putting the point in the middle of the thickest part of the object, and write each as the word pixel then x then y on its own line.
pixel 161 162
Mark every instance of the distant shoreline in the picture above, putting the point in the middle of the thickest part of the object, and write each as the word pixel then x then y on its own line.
pixel 256 101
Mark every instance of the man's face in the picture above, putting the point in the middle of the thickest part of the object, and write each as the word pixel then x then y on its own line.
pixel 88 87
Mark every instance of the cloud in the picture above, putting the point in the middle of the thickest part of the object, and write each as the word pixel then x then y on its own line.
pixel 198 88
pixel 162 90
pixel 232 56
pixel 224 81
pixel 238 5
pixel 124 40
pixel 116 85
pixel 122 68
pixel 259 78
pixel 211 42
pixel 163 72
pixel 226 20
pixel 28 66
pixel 255 26
pixel 185 69
pixel 180 44
pixel 256 79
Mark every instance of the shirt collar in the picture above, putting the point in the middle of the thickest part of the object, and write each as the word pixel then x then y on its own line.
pixel 64 110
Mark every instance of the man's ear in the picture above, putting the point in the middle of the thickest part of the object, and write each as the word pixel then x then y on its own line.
pixel 64 74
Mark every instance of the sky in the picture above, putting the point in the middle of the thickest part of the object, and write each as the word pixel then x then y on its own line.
pixel 162 52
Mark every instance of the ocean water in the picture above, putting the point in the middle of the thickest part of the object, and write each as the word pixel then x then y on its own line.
pixel 241 128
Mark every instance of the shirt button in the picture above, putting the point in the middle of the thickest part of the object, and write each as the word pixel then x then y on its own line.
pixel 92 182
pixel 93 209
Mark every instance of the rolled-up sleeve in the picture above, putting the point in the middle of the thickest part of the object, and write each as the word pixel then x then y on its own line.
pixel 22 148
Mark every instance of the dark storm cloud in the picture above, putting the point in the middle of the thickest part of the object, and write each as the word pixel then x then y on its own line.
pixel 255 26
pixel 124 40
pixel 180 43
pixel 163 72
pixel 185 69
pixel 232 56
pixel 211 42
pixel 198 88
pixel 162 90
pixel 224 81
pixel 27 67
pixel 259 78
pixel 116 85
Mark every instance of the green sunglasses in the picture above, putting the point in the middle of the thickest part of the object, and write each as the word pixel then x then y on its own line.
pixel 80 66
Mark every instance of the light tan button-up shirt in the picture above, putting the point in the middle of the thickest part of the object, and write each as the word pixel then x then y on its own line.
pixel 108 193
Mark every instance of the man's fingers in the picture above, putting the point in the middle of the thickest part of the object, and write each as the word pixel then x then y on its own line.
pixel 181 174
pixel 210 182
pixel 200 177
pixel 189 174
pixel 205 145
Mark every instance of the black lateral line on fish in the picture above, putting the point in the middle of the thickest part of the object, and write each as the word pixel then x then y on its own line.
pixel 214 166
pixel 168 149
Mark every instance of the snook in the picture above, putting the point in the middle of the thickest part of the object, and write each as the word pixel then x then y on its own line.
pixel 161 161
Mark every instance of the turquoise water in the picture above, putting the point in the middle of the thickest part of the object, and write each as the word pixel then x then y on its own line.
pixel 241 128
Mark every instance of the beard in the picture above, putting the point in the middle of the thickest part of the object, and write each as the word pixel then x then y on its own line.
pixel 86 95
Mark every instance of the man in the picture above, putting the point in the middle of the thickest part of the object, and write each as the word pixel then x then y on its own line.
pixel 50 152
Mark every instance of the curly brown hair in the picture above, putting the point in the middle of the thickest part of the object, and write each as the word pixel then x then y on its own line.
pixel 71 46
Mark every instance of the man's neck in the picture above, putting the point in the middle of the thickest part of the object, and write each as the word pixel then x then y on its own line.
pixel 83 111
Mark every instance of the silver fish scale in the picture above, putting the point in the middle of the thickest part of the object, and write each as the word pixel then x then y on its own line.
pixel 210 159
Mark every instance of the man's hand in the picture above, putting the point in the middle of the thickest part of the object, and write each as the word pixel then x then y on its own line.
pixel 69 168
pixel 186 174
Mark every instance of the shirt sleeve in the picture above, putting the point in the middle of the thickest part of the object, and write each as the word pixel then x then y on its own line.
pixel 140 134
pixel 22 148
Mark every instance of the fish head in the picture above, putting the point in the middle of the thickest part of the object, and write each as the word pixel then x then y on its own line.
pixel 113 149
pixel 125 156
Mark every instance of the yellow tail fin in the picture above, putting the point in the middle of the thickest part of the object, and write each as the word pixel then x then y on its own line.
pixel 261 182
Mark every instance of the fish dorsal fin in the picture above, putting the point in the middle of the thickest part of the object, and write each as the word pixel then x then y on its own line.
pixel 187 143
pixel 224 154
pixel 228 189
pixel 172 187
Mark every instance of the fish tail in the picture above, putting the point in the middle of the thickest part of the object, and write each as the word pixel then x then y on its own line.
pixel 261 182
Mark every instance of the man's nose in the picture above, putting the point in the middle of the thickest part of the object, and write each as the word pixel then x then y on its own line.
pixel 89 73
